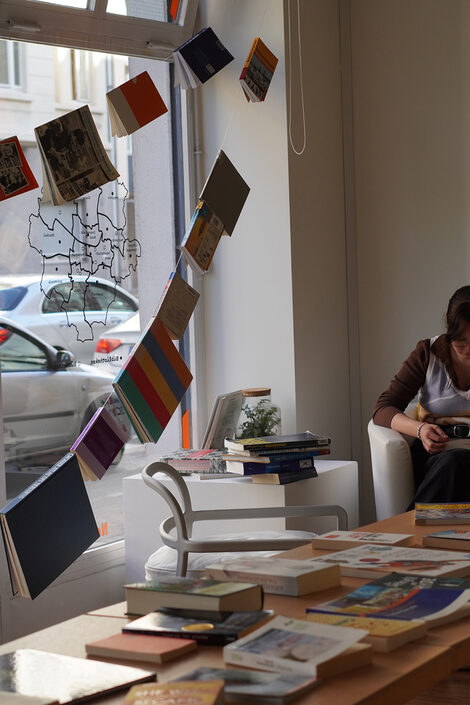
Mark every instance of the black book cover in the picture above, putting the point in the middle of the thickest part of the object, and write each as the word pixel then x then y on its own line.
pixel 51 524
pixel 205 54
pixel 225 191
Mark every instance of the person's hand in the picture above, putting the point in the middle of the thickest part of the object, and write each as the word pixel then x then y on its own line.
pixel 433 438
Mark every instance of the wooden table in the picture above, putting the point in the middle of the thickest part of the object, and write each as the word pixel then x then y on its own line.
pixel 391 678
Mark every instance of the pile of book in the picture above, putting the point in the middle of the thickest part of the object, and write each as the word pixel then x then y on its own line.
pixel 276 460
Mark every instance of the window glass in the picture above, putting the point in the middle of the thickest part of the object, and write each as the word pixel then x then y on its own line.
pixel 145 9
pixel 19 354
pixel 64 297
pixel 10 298
pixel 80 67
pixel 108 299
pixel 3 63
pixel 80 4
pixel 10 67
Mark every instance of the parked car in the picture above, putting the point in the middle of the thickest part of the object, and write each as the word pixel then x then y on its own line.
pixel 47 398
pixel 114 345
pixel 53 308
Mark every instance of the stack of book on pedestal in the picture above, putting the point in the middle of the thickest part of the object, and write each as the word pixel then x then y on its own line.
pixel 276 460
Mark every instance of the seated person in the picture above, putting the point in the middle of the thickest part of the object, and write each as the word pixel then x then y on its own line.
pixel 438 371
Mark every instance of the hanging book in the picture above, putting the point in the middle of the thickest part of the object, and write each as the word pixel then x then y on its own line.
pixel 225 192
pixel 98 444
pixel 176 305
pixel 16 176
pixel 152 382
pixel 201 240
pixel 200 58
pixel 258 71
pixel 47 526
pixel 73 158
pixel 134 104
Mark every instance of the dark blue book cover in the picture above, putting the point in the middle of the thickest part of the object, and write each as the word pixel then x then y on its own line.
pixel 49 525
pixel 205 54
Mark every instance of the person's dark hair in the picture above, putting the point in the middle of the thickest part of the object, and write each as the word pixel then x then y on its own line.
pixel 458 312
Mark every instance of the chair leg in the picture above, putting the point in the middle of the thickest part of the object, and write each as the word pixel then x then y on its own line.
pixel 182 564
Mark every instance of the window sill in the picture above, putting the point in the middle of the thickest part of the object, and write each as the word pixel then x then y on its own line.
pixel 75 104
pixel 15 94
pixel 93 561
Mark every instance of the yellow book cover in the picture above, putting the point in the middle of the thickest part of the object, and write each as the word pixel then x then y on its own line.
pixel 181 693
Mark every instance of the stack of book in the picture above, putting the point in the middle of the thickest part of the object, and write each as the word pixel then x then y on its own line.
pixel 276 460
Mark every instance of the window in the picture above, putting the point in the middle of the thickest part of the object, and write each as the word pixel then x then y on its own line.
pixel 80 68
pixel 19 354
pixel 10 64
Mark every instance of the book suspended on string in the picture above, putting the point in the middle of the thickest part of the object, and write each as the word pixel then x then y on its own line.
pixel 200 58
pixel 201 240
pixel 16 176
pixel 258 71
pixel 74 160
pixel 134 104
pixel 152 382
pixel 176 305
pixel 225 192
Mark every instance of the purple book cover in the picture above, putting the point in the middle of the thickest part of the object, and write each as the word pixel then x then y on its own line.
pixel 100 442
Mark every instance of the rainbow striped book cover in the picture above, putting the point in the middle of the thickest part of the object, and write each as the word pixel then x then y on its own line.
pixel 152 382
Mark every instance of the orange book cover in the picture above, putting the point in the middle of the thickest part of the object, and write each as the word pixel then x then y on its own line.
pixel 16 176
pixel 134 104
pixel 140 647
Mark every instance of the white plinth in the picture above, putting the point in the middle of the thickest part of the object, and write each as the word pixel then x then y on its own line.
pixel 144 509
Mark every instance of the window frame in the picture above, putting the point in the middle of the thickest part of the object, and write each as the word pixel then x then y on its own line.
pixel 95 29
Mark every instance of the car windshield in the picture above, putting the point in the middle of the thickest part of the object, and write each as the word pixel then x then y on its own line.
pixel 10 298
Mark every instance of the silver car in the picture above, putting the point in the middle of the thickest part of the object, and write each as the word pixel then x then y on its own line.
pixel 69 315
pixel 47 397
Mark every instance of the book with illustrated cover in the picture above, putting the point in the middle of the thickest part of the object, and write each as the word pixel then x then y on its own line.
pixel 202 237
pixel 213 632
pixel 176 305
pixel 29 672
pixel 223 420
pixel 200 58
pixel 241 685
pixel 348 539
pixel 280 576
pixel 291 645
pixel 177 693
pixel 225 192
pixel 74 159
pixel 403 600
pixel 98 444
pixel 383 635
pixel 283 477
pixel 193 593
pixel 258 71
pixel 140 647
pixel 373 560
pixel 403 583
pixel 273 443
pixel 444 513
pixel 134 104
pixel 152 382
pixel 458 539
pixel 197 461
pixel 16 176
pixel 47 527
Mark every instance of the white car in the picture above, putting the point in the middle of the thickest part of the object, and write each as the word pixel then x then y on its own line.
pixel 47 398
pixel 114 346
pixel 68 315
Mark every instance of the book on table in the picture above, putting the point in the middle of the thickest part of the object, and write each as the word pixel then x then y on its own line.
pixel 16 176
pixel 281 576
pixel 258 71
pixel 241 685
pixel 458 539
pixel 373 560
pixel 152 382
pixel 193 593
pixel 223 420
pixel 176 305
pixel 73 157
pixel 383 635
pixel 225 192
pixel 246 446
pixel 36 673
pixel 177 693
pixel 140 647
pixel 284 477
pixel 213 632
pixel 348 539
pixel 282 462
pixel 47 527
pixel 99 444
pixel 291 645
pixel 134 104
pixel 444 513
pixel 200 58
pixel 188 460
pixel 392 598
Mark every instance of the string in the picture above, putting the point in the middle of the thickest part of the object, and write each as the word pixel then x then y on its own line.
pixel 302 150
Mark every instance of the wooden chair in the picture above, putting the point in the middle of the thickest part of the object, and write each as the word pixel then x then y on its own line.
pixel 176 530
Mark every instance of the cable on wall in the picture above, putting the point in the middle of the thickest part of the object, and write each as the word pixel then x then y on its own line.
pixel 300 151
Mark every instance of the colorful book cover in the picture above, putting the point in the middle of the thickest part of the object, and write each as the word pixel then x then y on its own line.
pixel 16 176
pixel 134 104
pixel 273 443
pixel 182 693
pixel 450 538
pixel 98 444
pixel 189 460
pixel 258 71
pixel 348 539
pixel 444 513
pixel 152 382
pixel 203 236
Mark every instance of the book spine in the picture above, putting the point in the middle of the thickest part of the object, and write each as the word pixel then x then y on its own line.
pixel 257 447
pixel 248 58
pixel 278 467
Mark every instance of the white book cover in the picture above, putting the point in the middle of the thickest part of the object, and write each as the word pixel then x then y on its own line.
pixel 372 560
pixel 352 538
pixel 291 645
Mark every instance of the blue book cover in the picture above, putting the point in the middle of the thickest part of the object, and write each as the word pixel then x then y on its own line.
pixel 205 54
